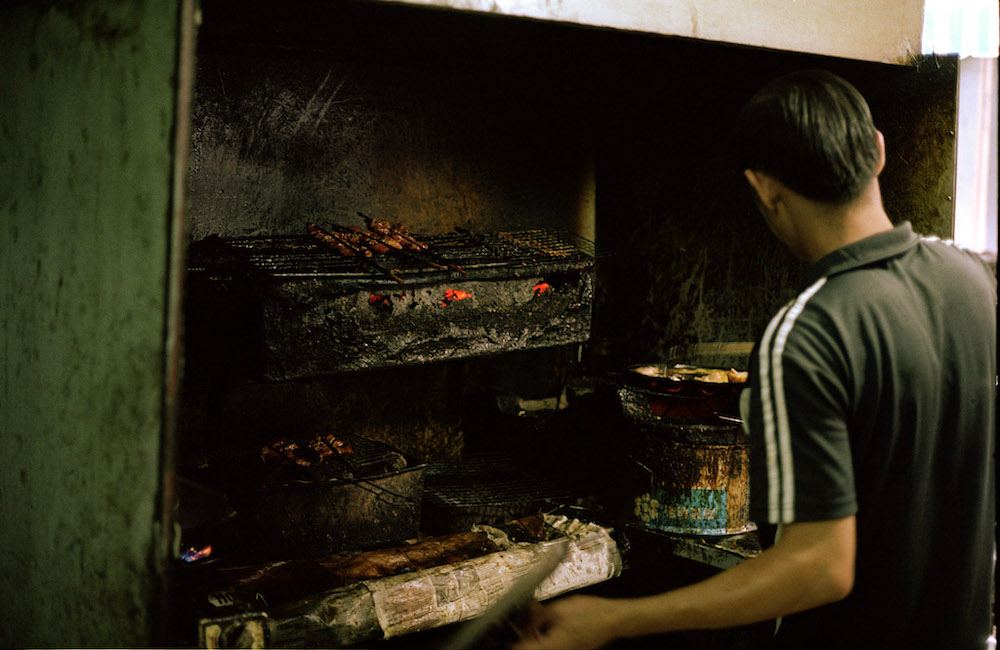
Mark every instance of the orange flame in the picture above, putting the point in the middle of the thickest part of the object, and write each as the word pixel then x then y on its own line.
pixel 542 287
pixel 192 554
pixel 375 299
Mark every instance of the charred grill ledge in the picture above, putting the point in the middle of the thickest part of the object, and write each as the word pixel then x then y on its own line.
pixel 277 308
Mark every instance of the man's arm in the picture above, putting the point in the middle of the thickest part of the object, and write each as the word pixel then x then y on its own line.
pixel 812 564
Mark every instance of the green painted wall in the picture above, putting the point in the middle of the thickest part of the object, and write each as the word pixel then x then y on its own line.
pixel 86 117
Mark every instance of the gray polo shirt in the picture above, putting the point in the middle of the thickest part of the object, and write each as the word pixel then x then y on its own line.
pixel 873 393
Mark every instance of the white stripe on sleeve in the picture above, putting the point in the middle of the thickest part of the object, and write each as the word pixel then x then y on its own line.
pixel 777 433
pixel 767 415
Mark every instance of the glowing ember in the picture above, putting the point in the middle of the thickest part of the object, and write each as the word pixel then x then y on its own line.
pixel 542 287
pixel 375 299
pixel 192 554
pixel 453 295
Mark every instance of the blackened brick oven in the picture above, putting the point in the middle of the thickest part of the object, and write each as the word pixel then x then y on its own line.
pixel 580 178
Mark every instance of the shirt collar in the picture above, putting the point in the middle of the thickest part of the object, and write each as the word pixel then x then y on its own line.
pixel 863 252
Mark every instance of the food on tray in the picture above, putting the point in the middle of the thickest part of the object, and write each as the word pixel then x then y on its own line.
pixel 682 372
pixel 714 377
pixel 284 452
pixel 737 376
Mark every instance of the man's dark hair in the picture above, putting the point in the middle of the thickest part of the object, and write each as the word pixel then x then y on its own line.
pixel 812 131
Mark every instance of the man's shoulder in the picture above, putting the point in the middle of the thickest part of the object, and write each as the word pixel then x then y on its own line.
pixel 934 264
pixel 945 256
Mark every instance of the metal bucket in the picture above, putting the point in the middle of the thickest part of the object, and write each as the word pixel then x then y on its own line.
pixel 695 478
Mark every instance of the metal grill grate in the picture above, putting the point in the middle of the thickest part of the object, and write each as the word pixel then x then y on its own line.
pixel 243 465
pixel 483 488
pixel 303 256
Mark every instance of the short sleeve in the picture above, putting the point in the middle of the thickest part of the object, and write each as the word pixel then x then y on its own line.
pixel 796 414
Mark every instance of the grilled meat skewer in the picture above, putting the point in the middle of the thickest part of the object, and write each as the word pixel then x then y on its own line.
pixel 366 239
pixel 400 232
pixel 386 236
pixel 397 231
pixel 337 241
pixel 365 254
pixel 372 240
pixel 330 240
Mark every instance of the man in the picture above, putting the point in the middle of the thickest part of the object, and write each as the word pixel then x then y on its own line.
pixel 871 413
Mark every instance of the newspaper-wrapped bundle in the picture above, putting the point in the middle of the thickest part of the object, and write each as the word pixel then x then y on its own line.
pixel 425 599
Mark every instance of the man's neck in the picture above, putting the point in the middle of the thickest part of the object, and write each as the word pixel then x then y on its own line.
pixel 826 228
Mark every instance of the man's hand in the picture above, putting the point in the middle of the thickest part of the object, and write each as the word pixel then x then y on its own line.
pixel 578 622
pixel 812 564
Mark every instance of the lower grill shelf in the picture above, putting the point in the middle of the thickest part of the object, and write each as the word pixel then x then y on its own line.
pixel 483 489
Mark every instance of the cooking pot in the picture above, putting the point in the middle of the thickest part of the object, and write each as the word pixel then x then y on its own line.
pixel 690 447
pixel 650 393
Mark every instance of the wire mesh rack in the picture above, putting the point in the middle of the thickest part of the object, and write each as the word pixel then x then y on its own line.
pixel 304 256
pixel 484 488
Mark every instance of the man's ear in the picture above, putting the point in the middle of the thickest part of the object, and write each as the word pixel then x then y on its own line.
pixel 880 142
pixel 764 186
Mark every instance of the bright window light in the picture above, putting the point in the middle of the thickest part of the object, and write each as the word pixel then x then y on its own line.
pixel 976 156
pixel 963 27
pixel 970 29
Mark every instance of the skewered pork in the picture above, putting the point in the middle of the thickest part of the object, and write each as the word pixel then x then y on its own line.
pixel 333 241
pixel 397 232
pixel 381 237
pixel 366 239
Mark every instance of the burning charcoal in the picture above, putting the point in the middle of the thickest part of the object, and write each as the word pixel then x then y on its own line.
pixel 454 295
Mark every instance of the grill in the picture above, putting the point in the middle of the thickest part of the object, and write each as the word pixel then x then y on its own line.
pixel 277 308
pixel 484 488
pixel 488 255
pixel 289 510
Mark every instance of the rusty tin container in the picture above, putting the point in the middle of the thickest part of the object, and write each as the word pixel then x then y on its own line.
pixel 695 478
pixel 688 446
